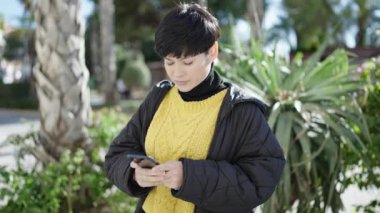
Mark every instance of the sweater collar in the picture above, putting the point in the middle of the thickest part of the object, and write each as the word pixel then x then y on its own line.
pixel 207 88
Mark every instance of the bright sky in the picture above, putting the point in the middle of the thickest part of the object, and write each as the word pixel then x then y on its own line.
pixel 12 10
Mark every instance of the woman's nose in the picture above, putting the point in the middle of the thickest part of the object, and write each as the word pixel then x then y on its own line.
pixel 177 71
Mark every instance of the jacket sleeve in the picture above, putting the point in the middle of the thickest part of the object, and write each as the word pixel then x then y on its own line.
pixel 245 183
pixel 117 166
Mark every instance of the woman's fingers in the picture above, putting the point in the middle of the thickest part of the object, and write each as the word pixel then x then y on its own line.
pixel 173 177
pixel 147 177
pixel 170 174
pixel 147 180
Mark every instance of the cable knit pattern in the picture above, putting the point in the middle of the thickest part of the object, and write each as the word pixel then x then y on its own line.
pixel 179 129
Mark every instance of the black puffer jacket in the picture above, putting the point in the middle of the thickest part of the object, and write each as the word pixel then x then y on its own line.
pixel 243 166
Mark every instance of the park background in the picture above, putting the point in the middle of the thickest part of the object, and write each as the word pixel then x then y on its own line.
pixel 73 72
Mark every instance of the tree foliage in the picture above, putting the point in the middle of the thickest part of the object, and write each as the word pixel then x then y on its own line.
pixel 137 20
pixel 314 22
pixel 19 43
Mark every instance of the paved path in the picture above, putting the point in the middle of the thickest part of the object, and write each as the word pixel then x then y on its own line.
pixel 14 122
pixel 8 117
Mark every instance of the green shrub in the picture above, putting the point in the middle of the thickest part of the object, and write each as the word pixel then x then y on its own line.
pixel 132 69
pixel 130 105
pixel 57 187
pixel 75 183
pixel 365 171
pixel 19 95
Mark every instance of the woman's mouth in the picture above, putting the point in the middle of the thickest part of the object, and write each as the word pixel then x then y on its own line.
pixel 181 83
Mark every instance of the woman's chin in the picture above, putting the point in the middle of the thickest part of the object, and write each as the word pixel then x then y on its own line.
pixel 183 88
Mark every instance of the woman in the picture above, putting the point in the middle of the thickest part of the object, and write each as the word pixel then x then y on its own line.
pixel 215 150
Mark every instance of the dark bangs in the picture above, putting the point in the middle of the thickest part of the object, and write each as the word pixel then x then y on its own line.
pixel 186 30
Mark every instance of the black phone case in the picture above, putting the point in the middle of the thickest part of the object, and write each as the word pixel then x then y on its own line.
pixel 143 160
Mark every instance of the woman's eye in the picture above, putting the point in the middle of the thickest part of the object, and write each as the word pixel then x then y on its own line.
pixel 169 63
pixel 187 63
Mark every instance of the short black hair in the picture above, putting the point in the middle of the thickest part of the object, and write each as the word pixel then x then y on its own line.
pixel 187 30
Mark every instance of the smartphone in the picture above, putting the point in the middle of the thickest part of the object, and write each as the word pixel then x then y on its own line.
pixel 143 160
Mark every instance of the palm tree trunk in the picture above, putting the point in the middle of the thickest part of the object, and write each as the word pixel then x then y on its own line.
pixel 95 66
pixel 107 39
pixel 362 23
pixel 61 76
pixel 2 40
pixel 255 13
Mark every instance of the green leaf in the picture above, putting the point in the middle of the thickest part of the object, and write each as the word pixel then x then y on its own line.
pixel 283 130
pixel 306 150
pixel 276 110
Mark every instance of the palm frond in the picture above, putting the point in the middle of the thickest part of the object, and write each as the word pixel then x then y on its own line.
pixel 313 115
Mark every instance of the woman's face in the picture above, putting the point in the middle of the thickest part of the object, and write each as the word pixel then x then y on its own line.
pixel 188 72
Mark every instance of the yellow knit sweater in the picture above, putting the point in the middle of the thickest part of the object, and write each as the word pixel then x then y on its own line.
pixel 179 129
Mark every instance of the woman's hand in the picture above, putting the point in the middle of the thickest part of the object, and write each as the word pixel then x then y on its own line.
pixel 173 174
pixel 147 177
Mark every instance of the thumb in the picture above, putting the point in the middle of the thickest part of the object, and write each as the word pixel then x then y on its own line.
pixel 134 165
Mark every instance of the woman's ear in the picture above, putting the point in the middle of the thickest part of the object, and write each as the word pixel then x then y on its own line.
pixel 214 51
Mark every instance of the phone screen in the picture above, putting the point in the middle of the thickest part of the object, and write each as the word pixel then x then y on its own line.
pixel 143 160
